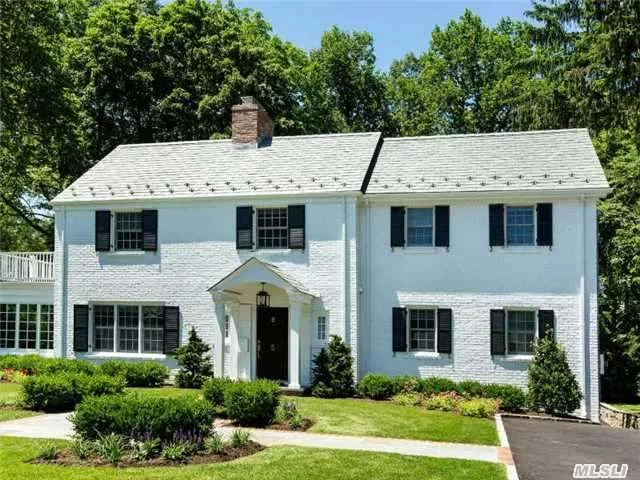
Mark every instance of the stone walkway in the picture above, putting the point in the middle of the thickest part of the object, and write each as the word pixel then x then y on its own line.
pixel 58 426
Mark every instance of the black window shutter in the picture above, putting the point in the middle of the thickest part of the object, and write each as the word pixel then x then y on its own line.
pixel 103 230
pixel 171 329
pixel 544 213
pixel 150 230
pixel 296 226
pixel 444 330
pixel 496 225
pixel 397 227
pixel 497 332
pixel 545 322
pixel 442 226
pixel 244 228
pixel 81 328
pixel 399 329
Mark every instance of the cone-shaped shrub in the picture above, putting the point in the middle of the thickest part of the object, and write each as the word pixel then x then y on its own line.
pixel 333 370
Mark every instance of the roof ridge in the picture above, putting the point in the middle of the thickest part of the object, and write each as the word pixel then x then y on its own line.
pixel 487 134
pixel 227 140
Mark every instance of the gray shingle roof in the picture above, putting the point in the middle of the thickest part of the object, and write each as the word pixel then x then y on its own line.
pixel 217 168
pixel 539 160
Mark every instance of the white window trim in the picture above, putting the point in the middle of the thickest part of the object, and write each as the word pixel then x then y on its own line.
pixel 16 342
pixel 325 326
pixel 519 356
pixel 254 229
pixel 114 231
pixel 535 226
pixel 115 352
pixel 424 353
pixel 433 227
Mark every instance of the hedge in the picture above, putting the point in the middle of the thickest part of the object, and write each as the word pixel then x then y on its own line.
pixel 35 364
pixel 136 374
pixel 61 392
pixel 141 417
pixel 214 389
pixel 252 403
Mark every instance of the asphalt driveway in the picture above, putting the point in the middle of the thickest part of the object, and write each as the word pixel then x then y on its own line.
pixel 547 450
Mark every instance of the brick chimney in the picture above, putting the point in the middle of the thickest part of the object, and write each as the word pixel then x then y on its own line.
pixel 251 125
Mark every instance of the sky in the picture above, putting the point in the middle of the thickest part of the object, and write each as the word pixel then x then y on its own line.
pixel 398 27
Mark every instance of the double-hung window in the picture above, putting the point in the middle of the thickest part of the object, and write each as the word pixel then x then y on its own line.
pixel 521 331
pixel 128 328
pixel 272 227
pixel 422 330
pixel 128 230
pixel 520 225
pixel 420 227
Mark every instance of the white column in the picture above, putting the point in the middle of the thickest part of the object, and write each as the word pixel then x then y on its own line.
pixel 218 342
pixel 295 314
pixel 233 340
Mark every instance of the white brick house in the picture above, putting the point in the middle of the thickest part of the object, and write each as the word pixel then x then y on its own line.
pixel 441 255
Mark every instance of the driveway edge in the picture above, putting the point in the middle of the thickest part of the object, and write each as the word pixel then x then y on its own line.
pixel 512 472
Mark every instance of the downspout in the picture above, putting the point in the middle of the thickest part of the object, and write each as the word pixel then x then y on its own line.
pixel 61 276
pixel 347 271
pixel 585 315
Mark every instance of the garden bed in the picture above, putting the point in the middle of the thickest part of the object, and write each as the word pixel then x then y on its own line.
pixel 66 457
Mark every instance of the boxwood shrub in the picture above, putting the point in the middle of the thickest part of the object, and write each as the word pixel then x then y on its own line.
pixel 470 388
pixel 252 403
pixel 61 392
pixel 214 389
pixel 35 364
pixel 139 416
pixel 136 374
pixel 377 386
pixel 434 385
pixel 512 399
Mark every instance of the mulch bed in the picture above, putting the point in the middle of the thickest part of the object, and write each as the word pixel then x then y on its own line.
pixel 65 457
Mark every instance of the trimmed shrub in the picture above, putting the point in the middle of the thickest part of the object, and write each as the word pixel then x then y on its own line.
pixel 49 393
pixel 512 399
pixel 140 417
pixel 252 403
pixel 377 387
pixel 61 392
pixel 214 388
pixel 470 388
pixel 137 374
pixel 552 385
pixel 445 401
pixel 37 365
pixel 478 407
pixel 333 371
pixel 195 364
pixel 405 384
pixel 435 385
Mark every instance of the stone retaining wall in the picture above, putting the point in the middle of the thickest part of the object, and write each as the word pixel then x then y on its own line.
pixel 617 418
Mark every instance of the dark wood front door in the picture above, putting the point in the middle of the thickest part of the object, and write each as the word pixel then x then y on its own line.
pixel 273 343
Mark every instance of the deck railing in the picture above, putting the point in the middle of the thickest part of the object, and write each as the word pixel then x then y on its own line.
pixel 30 267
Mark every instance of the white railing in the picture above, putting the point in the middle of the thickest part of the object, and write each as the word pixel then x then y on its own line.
pixel 26 267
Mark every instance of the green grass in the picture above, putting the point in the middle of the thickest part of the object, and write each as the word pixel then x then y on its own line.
pixel 384 419
pixel 276 463
pixel 9 393
pixel 168 392
pixel 628 407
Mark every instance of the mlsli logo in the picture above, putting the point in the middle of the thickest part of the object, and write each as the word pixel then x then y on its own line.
pixel 604 470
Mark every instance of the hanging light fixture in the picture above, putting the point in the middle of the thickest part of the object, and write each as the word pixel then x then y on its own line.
pixel 263 299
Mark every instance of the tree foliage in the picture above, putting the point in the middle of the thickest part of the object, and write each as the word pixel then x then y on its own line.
pixel 333 370
pixel 195 365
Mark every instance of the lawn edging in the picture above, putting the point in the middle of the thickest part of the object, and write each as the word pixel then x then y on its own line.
pixel 547 418
pixel 615 417
pixel 512 472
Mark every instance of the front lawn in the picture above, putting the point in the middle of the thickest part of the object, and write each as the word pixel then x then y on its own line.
pixel 9 393
pixel 277 463
pixel 167 392
pixel 384 419
pixel 628 407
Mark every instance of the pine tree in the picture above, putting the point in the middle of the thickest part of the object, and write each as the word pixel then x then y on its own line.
pixel 333 370
pixel 195 365
pixel 552 385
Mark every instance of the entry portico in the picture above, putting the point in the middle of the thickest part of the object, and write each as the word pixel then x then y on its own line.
pixel 261 341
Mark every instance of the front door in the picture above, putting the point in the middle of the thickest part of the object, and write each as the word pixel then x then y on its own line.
pixel 273 343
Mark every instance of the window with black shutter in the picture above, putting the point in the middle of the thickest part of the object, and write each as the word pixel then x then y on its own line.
pixel 497 332
pixel 150 230
pixel 103 231
pixel 171 329
pixel 544 213
pixel 444 330
pixel 296 224
pixel 397 227
pixel 244 228
pixel 399 329
pixel 81 328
